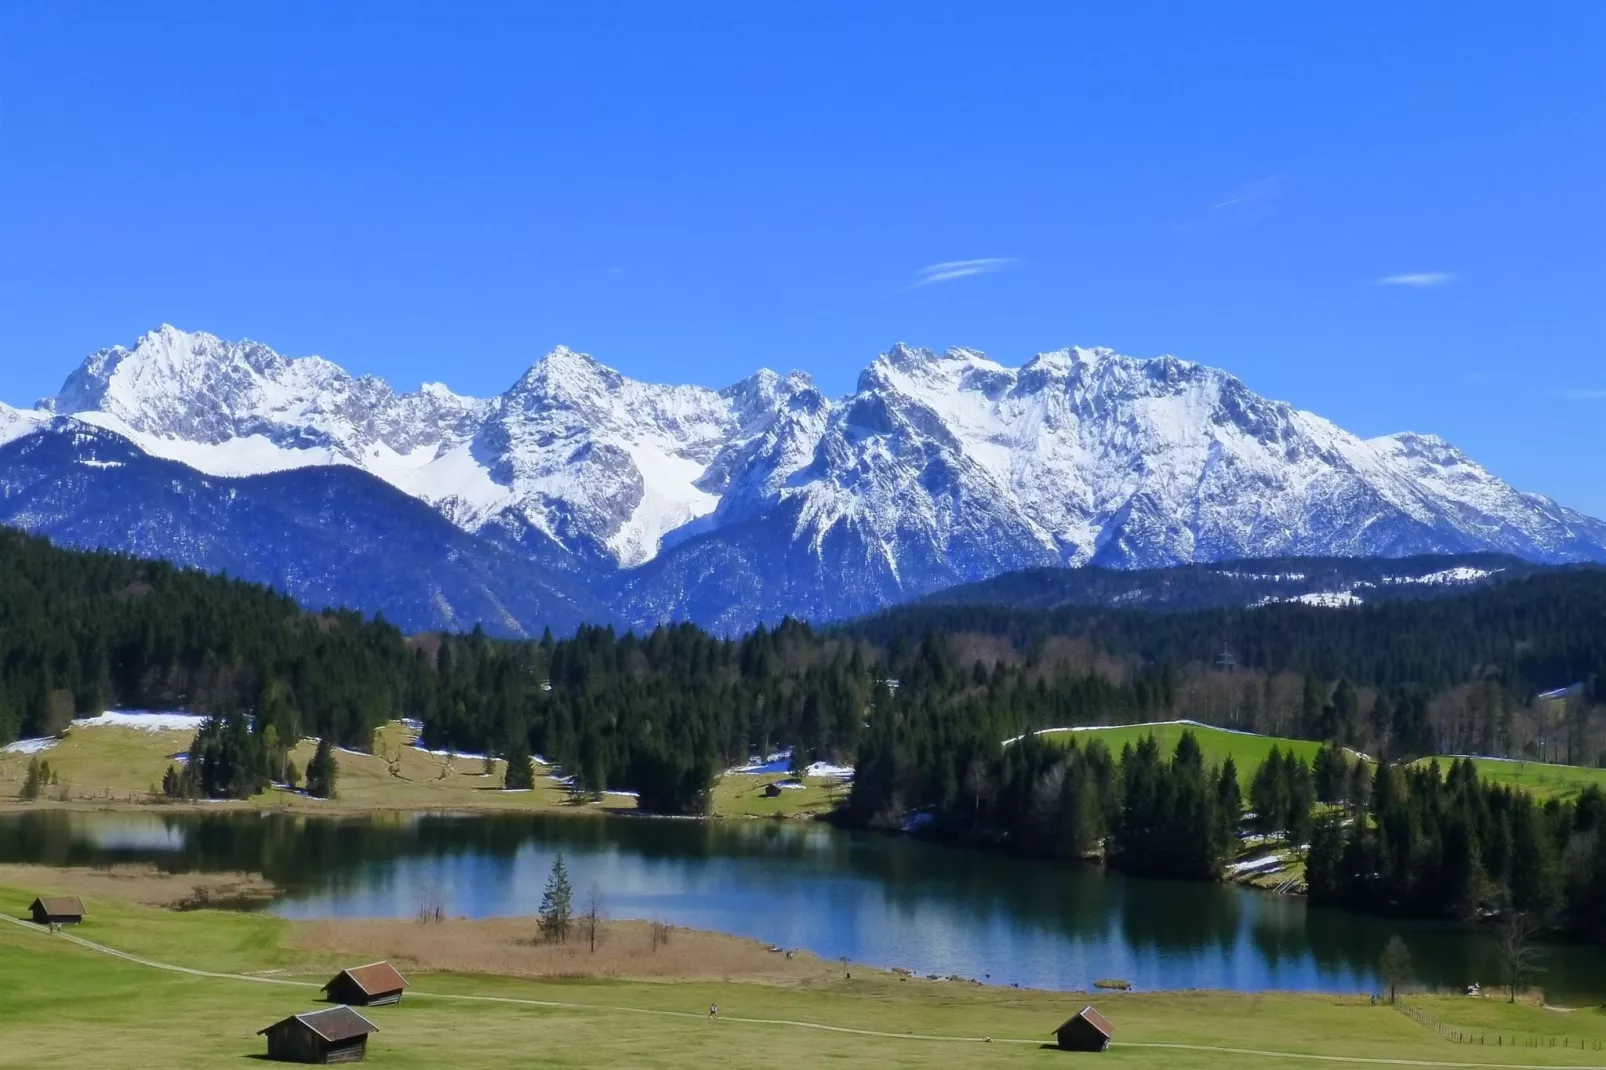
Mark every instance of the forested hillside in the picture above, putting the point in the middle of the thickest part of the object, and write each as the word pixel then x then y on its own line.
pixel 919 701
pixel 1535 634
pixel 1219 584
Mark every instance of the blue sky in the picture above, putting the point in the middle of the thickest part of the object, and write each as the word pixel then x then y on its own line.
pixel 691 191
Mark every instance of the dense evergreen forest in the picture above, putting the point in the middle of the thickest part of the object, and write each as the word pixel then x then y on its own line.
pixel 1538 633
pixel 919 700
pixel 1391 839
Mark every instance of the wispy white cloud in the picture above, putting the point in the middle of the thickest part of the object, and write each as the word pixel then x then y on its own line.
pixel 949 270
pixel 1581 395
pixel 1251 203
pixel 1419 279
pixel 1251 192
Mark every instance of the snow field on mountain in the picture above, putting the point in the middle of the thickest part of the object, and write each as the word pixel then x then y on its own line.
pixel 939 468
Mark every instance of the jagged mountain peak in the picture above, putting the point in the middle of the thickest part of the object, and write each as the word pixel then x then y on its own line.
pixel 765 390
pixel 564 368
pixel 767 497
pixel 169 373
pixel 1417 444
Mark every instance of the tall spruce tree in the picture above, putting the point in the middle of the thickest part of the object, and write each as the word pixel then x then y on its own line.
pixel 520 772
pixel 557 903
pixel 322 771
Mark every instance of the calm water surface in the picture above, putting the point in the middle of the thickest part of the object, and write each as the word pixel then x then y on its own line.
pixel 880 900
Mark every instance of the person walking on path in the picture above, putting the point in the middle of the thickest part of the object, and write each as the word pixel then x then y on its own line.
pixel 713 1010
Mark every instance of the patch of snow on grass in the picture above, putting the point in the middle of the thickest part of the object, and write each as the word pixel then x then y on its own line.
pixel 1142 724
pixel 29 746
pixel 1321 599
pixel 144 720
pixel 449 753
pixel 779 762
pixel 825 769
pixel 1263 862
pixel 1459 574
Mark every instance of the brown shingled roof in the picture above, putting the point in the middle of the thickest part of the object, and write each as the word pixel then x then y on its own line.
pixel 374 978
pixel 60 904
pixel 1094 1019
pixel 334 1025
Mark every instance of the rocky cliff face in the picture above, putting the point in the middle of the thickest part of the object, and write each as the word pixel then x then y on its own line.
pixel 766 498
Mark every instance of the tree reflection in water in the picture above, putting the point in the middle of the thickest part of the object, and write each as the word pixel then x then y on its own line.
pixel 877 899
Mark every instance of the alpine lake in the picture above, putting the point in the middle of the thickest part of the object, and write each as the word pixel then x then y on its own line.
pixel 874 899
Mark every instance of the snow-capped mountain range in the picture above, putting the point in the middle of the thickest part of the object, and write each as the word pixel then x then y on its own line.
pixel 768 497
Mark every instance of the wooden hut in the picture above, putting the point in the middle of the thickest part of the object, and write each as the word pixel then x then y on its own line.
pixel 1088 1030
pixel 772 791
pixel 336 1035
pixel 58 910
pixel 373 985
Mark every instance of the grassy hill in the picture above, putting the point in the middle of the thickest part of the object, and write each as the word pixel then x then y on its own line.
pixel 68 1005
pixel 1540 778
pixel 114 765
pixel 1247 750
pixel 110 766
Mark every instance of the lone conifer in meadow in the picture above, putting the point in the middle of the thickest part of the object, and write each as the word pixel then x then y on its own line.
pixel 557 903
pixel 38 777
pixel 321 771
pixel 520 773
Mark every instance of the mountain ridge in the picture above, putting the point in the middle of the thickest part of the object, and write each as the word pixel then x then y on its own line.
pixel 767 497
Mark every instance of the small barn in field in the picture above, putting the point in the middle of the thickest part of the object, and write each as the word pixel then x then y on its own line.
pixel 58 910
pixel 1087 1030
pixel 373 985
pixel 336 1035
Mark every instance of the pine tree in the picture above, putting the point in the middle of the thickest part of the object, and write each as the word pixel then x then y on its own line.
pixel 556 903
pixel 1331 773
pixel 1268 793
pixel 38 777
pixel 520 772
pixel 1229 806
pixel 1324 880
pixel 321 771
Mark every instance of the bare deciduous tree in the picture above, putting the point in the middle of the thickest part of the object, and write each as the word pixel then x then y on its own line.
pixel 1395 966
pixel 431 904
pixel 1519 955
pixel 596 911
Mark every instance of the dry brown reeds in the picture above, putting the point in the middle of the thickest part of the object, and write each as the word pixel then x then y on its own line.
pixel 142 884
pixel 631 950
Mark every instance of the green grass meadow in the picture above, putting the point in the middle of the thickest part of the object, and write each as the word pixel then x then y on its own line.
pixel 1247 751
pixel 63 1005
pixel 1539 778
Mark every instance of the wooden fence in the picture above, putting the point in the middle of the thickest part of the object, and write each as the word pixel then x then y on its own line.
pixel 1459 1035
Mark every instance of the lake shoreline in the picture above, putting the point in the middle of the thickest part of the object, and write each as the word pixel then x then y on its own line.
pixel 768 877
pixel 472 946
